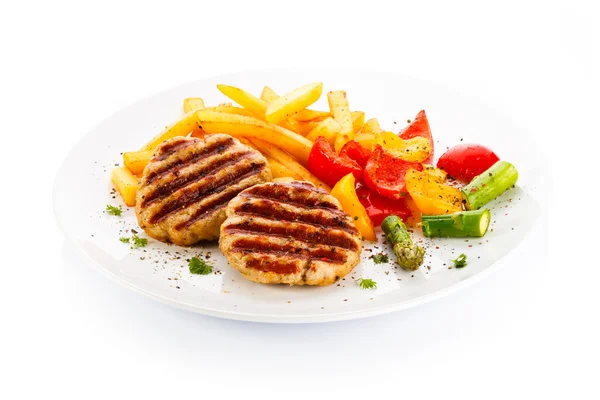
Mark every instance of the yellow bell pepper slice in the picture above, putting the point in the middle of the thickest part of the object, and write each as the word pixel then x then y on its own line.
pixel 431 197
pixel 416 149
pixel 435 174
pixel 368 140
pixel 345 192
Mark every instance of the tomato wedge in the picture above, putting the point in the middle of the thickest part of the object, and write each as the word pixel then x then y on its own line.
pixel 466 161
pixel 419 127
pixel 326 165
pixel 384 173
pixel 379 207
pixel 354 151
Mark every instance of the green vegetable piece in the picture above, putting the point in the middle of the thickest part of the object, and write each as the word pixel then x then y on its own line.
pixel 461 261
pixel 124 239
pixel 112 210
pixel 199 267
pixel 489 185
pixel 380 258
pixel 410 256
pixel 367 283
pixel 461 224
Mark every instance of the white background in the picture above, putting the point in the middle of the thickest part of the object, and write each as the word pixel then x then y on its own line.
pixel 528 330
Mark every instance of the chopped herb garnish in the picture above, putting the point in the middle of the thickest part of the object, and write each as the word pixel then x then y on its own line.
pixel 380 258
pixel 461 261
pixel 200 267
pixel 138 241
pixel 112 210
pixel 367 283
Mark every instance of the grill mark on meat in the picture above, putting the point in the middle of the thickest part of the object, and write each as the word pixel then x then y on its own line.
pixel 301 233
pixel 272 210
pixel 299 195
pixel 313 205
pixel 209 150
pixel 208 208
pixel 168 188
pixel 171 148
pixel 287 250
pixel 277 266
pixel 190 196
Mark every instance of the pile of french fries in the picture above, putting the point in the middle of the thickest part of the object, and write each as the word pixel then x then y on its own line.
pixel 282 128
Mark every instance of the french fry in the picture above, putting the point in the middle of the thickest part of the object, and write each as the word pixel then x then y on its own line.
pixel 198 133
pixel 358 120
pixel 192 103
pixel 278 170
pixel 284 179
pixel 136 161
pixel 304 128
pixel 282 157
pixel 256 106
pixel 253 128
pixel 329 128
pixel 338 105
pixel 229 109
pixel 268 95
pixel 311 115
pixel 125 183
pixel 371 126
pixel 183 127
pixel 245 99
pixel 292 102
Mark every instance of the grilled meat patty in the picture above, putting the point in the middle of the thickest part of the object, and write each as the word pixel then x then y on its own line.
pixel 188 183
pixel 289 232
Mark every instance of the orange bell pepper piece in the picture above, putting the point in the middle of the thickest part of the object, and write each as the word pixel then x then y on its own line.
pixel 345 192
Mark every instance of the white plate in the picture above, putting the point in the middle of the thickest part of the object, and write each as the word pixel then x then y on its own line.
pixel 83 187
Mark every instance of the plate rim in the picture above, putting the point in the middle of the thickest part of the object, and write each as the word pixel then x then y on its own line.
pixel 287 318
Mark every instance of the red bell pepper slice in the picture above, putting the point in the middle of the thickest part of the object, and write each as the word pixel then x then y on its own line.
pixel 385 173
pixel 419 127
pixel 379 207
pixel 329 167
pixel 354 151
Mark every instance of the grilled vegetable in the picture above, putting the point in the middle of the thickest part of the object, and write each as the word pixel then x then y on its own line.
pixel 346 194
pixel 329 167
pixel 431 197
pixel 419 127
pixel 466 161
pixel 466 223
pixel 410 256
pixel 489 185
pixel 385 173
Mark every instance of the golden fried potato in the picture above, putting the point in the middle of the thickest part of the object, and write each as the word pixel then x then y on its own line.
pixel 192 103
pixel 183 127
pixel 292 102
pixel 328 128
pixel 340 109
pixel 253 128
pixel 272 151
pixel 371 126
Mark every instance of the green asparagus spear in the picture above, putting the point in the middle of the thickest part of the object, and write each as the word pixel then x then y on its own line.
pixel 489 185
pixel 460 224
pixel 410 256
